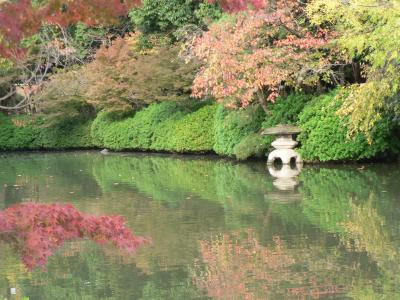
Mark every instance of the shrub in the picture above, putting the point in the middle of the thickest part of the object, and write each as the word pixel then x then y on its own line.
pixel 284 111
pixel 232 126
pixel 133 132
pixel 252 145
pixel 16 133
pixel 190 133
pixel 69 134
pixel 25 133
pixel 324 134
pixel 165 126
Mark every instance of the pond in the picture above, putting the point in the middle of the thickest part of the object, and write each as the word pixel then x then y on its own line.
pixel 218 229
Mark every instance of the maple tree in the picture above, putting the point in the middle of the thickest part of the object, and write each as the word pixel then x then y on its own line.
pixel 22 19
pixel 36 38
pixel 257 52
pixel 123 78
pixel 37 230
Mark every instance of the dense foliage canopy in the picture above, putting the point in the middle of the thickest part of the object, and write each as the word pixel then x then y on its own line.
pixel 23 18
pixel 367 31
pixel 257 53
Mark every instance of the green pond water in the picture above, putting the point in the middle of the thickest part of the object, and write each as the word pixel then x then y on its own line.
pixel 219 229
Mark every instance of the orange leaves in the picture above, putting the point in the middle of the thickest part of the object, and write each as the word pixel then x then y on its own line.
pixel 123 77
pixel 237 266
pixel 309 41
pixel 249 56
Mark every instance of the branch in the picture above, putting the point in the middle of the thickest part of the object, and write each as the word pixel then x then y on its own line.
pixel 7 96
pixel 20 105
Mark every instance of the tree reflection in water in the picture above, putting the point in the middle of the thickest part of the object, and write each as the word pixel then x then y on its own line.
pixel 36 231
pixel 238 266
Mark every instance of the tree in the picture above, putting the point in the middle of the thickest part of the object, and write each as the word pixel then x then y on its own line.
pixel 122 78
pixel 37 37
pixel 258 52
pixel 368 33
pixel 49 49
pixel 37 230
pixel 155 16
pixel 22 19
pixel 62 97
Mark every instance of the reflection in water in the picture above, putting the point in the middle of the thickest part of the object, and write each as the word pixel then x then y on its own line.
pixel 212 223
pixel 285 176
pixel 36 231
pixel 237 266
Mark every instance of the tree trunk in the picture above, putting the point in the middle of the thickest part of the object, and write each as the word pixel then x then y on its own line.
pixel 356 72
pixel 261 100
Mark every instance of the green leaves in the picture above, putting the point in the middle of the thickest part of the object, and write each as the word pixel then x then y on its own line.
pixel 163 126
pixel 325 137
pixel 155 16
pixel 368 33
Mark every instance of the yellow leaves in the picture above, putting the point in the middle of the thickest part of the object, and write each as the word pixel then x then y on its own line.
pixel 367 31
pixel 5 64
pixel 364 105
pixel 320 11
pixel 368 229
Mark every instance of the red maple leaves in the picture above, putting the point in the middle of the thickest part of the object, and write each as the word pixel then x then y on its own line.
pixel 21 19
pixel 17 20
pixel 36 231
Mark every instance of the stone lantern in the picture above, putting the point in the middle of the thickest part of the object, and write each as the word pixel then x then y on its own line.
pixel 284 144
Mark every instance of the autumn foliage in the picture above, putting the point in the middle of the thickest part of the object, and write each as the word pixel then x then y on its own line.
pixel 20 19
pixel 36 231
pixel 237 266
pixel 122 77
pixel 256 53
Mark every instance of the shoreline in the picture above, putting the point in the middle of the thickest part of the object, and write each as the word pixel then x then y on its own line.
pixel 192 155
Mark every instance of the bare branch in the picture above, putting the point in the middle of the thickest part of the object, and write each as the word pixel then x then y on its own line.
pixel 20 105
pixel 8 95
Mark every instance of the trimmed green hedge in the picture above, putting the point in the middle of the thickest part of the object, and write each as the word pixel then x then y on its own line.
pixel 25 133
pixel 189 133
pixel 232 126
pixel 69 134
pixel 252 145
pixel 162 127
pixel 324 134
pixel 192 127
pixel 13 137
pixel 132 132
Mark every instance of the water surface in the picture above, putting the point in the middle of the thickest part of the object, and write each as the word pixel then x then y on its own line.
pixel 219 229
